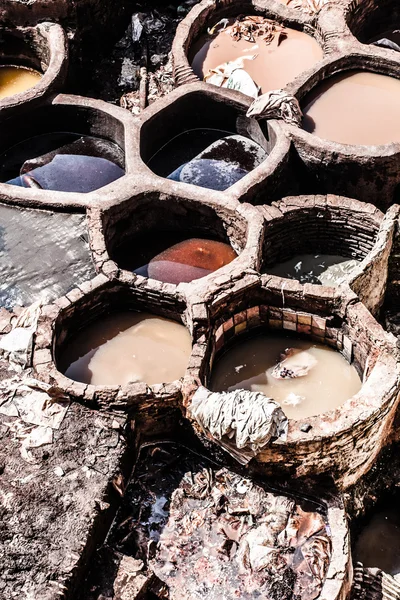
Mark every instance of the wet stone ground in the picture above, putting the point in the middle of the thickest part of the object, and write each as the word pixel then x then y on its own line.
pixel 43 255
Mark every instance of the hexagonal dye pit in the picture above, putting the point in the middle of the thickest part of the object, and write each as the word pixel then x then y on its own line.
pixel 204 141
pixel 62 150
pixel 195 530
pixel 172 241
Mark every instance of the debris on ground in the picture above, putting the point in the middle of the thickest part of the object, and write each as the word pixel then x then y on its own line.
pixel 201 531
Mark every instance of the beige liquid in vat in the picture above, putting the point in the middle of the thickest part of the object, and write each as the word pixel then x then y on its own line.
pixel 249 364
pixel 275 64
pixel 128 347
pixel 17 79
pixel 355 107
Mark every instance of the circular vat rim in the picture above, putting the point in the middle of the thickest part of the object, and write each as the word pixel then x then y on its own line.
pixel 259 180
pixel 227 213
pixel 198 16
pixel 54 76
pixel 366 280
pixel 88 295
pixel 342 443
pixel 318 147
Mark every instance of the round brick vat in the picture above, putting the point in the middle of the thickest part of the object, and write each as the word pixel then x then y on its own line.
pixel 61 321
pixel 341 443
pixel 115 229
pixel 330 225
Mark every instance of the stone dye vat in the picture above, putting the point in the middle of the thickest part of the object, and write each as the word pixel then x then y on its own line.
pixel 356 107
pixel 215 152
pixel 62 162
pixel 186 260
pixel 112 341
pixel 33 64
pixel 127 347
pixel 252 54
pixel 197 135
pixel 304 235
pixel 243 47
pixel 248 540
pixel 173 241
pixel 15 79
pixel 114 338
pixel 67 146
pixel 306 434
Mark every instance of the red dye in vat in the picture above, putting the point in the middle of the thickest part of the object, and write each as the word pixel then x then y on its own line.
pixel 189 260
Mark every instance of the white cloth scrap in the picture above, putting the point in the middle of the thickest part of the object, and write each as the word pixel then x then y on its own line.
pixel 248 419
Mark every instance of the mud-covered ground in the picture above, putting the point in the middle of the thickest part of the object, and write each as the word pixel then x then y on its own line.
pixel 146 42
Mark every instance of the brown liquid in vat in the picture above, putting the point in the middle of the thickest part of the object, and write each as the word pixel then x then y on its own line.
pixel 274 66
pixel 17 79
pixel 355 107
pixel 249 364
pixel 128 347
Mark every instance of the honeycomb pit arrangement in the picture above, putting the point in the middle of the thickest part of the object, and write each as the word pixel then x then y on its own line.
pixel 117 487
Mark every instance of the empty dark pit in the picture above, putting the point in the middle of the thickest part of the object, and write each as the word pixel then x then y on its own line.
pixel 201 139
pixel 374 20
pixel 376 536
pixel 67 148
pixel 142 238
